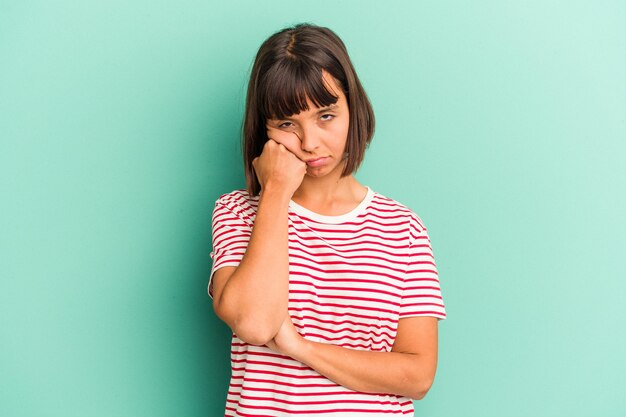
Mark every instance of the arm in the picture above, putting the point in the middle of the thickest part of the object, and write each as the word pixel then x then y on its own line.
pixel 408 370
pixel 252 297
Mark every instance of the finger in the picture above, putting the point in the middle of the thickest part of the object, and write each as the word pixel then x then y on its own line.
pixel 269 132
pixel 290 140
pixel 270 142
pixel 290 143
pixel 273 142
pixel 278 133
pixel 280 145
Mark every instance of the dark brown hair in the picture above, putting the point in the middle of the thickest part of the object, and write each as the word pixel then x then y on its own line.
pixel 288 69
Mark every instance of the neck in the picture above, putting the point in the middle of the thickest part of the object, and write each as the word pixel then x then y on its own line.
pixel 327 189
pixel 323 190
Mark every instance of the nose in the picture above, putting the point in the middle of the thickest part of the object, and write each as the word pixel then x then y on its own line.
pixel 309 138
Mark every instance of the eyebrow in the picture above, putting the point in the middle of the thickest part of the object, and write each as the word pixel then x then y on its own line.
pixel 333 106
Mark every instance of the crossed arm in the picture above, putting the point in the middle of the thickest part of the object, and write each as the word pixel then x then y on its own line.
pixel 408 370
pixel 255 309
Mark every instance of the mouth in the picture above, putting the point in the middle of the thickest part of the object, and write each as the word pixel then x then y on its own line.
pixel 317 161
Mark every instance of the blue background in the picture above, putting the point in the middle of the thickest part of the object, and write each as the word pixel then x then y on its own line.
pixel 502 124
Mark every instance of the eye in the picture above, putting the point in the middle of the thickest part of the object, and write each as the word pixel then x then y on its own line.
pixel 329 116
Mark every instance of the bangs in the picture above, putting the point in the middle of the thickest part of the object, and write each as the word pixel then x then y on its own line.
pixel 286 88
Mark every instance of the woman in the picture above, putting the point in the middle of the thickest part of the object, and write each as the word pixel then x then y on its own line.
pixel 330 288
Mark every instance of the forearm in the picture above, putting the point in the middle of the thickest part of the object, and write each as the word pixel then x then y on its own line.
pixel 368 371
pixel 255 296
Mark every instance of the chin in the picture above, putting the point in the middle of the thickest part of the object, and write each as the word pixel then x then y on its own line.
pixel 315 174
pixel 323 170
pixel 319 171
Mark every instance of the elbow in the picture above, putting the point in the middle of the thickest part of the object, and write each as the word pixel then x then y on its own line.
pixel 419 376
pixel 420 389
pixel 251 327
pixel 253 332
pixel 418 395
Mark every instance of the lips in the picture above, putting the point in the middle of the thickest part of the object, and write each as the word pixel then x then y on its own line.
pixel 317 162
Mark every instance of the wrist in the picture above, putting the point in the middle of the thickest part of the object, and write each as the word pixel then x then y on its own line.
pixel 302 351
pixel 275 193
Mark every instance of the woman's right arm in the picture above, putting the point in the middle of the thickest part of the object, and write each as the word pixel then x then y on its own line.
pixel 252 297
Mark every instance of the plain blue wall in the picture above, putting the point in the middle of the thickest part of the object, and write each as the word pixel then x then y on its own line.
pixel 501 124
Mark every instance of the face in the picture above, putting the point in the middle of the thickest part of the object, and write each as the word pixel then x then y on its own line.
pixel 316 133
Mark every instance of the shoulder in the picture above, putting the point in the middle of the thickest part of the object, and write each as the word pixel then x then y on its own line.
pixel 392 206
pixel 239 203
pixel 236 197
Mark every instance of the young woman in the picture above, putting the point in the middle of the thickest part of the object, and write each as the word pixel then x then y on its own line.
pixel 330 288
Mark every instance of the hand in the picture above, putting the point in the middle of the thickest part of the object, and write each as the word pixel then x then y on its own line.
pixel 287 341
pixel 289 139
pixel 279 166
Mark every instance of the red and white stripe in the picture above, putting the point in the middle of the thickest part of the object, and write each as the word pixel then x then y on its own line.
pixel 349 284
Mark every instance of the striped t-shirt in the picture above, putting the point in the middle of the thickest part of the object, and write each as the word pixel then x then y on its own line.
pixel 351 278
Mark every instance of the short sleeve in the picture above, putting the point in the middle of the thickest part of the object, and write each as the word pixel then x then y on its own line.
pixel 422 292
pixel 231 233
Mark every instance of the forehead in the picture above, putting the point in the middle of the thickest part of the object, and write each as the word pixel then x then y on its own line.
pixel 331 84
pixel 314 110
pixel 291 91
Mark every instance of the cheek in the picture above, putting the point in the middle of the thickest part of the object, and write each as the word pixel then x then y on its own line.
pixel 340 129
pixel 298 152
pixel 290 140
pixel 343 122
pixel 287 138
pixel 293 146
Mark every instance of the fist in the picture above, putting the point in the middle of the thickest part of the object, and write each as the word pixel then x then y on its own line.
pixel 280 167
pixel 289 140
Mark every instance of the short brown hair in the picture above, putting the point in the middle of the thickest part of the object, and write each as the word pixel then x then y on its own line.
pixel 288 69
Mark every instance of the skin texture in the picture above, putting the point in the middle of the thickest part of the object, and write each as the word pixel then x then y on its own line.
pixel 311 134
pixel 409 369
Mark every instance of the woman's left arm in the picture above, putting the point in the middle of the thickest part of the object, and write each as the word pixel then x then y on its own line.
pixel 408 370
